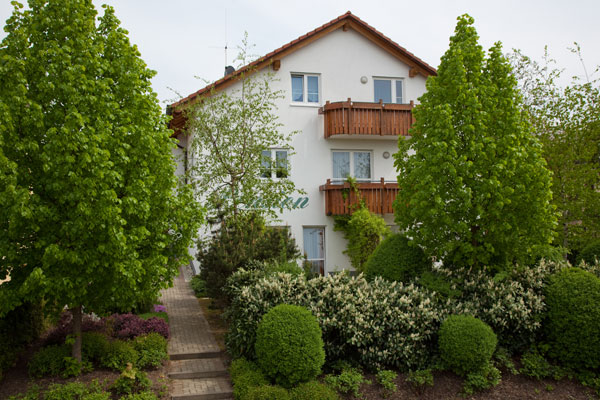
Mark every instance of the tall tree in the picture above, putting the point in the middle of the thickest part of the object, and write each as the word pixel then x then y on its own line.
pixel 230 130
pixel 91 214
pixel 566 119
pixel 474 188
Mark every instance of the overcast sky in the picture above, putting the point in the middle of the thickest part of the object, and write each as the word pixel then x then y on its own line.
pixel 181 39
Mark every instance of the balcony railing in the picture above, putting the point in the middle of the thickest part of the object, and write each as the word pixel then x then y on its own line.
pixel 341 198
pixel 377 119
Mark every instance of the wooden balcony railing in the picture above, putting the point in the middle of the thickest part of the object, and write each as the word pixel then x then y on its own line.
pixel 354 118
pixel 341 198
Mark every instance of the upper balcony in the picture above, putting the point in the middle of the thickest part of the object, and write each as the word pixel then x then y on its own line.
pixel 341 198
pixel 371 119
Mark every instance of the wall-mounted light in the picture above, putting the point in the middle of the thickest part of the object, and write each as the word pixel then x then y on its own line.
pixel 386 154
pixel 363 79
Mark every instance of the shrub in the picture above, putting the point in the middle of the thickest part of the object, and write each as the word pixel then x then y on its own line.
pixel 64 327
pixel 140 396
pixel 535 365
pixel 238 240
pixel 396 260
pixel 268 392
pixel 348 381
pixel 74 391
pixel 386 379
pixel 118 355
pixel 466 343
pixel 590 254
pixel 94 345
pixel 245 375
pixel 128 326
pixel 198 286
pixel 131 381
pixel 573 312
pixel 152 350
pixel 312 390
pixel 420 378
pixel 49 361
pixel 363 231
pixel 289 347
pixel 486 377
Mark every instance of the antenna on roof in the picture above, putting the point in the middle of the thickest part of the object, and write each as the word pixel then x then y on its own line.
pixel 228 69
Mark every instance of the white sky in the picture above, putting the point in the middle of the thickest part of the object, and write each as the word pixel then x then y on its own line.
pixel 181 39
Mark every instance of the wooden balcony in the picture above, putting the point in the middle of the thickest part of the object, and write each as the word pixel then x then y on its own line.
pixel 374 119
pixel 341 199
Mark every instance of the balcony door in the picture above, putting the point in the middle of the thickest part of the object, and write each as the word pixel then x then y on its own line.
pixel 314 248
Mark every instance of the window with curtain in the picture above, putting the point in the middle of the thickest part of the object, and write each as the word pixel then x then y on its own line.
pixel 356 164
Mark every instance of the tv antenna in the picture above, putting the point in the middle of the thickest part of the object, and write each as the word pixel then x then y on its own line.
pixel 221 47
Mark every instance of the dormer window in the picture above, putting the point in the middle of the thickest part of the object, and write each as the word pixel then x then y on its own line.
pixel 388 90
pixel 305 88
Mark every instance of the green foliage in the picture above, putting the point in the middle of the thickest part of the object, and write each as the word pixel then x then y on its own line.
pixel 140 396
pixel 535 365
pixel 268 392
pixel 348 381
pixel 89 200
pixel 94 346
pixel 48 361
pixel 503 358
pixel 397 259
pixel 72 367
pixel 148 315
pixel 386 379
pixel 312 390
pixel 231 129
pixel 131 381
pixel 198 286
pixel 485 378
pixel 473 185
pixel 590 254
pixel 566 119
pixel 573 312
pixel 289 347
pixel 244 376
pixel 74 391
pixel 364 231
pixel 152 350
pixel 420 378
pixel 118 355
pixel 466 344
pixel 239 240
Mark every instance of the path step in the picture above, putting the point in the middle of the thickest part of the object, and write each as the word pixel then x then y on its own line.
pixel 192 356
pixel 197 368
pixel 202 389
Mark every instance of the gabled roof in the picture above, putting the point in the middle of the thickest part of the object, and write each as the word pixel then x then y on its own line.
pixel 345 21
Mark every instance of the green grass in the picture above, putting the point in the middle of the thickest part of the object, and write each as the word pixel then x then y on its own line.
pixel 162 315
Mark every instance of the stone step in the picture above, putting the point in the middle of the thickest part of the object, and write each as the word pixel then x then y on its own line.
pixel 201 389
pixel 197 368
pixel 195 355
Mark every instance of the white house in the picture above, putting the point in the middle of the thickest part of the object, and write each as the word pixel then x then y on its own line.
pixel 349 90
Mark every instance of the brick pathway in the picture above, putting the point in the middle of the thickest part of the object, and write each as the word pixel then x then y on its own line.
pixel 196 368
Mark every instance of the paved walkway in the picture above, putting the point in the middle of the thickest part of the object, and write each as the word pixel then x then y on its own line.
pixel 196 368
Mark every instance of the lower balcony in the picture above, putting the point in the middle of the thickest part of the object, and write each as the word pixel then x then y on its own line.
pixel 341 198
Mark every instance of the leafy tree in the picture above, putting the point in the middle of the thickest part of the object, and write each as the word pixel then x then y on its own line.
pixel 474 188
pixel 567 122
pixel 90 213
pixel 229 131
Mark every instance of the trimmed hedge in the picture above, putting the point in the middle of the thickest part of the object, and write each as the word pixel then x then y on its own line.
pixel 466 343
pixel 572 320
pixel 244 376
pixel 313 390
pixel 288 345
pixel 396 260
pixel 268 392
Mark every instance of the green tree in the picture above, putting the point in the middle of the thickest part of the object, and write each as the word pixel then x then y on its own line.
pixel 566 119
pixel 91 215
pixel 474 188
pixel 230 129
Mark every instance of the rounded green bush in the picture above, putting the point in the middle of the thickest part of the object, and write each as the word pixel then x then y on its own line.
pixel 118 355
pixel 268 392
pixel 313 390
pixel 590 253
pixel 152 350
pixel 466 343
pixel 396 260
pixel 572 325
pixel 289 347
pixel 245 375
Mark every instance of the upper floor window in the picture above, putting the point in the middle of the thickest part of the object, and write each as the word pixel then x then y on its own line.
pixel 274 163
pixel 356 164
pixel 305 88
pixel 388 90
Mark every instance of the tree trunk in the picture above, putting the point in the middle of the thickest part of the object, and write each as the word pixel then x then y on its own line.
pixel 76 350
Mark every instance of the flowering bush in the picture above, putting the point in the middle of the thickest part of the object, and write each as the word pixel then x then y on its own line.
pixel 159 308
pixel 64 327
pixel 128 326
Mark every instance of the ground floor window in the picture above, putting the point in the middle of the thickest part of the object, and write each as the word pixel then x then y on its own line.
pixel 314 248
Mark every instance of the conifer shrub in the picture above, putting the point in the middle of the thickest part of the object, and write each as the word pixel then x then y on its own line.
pixel 289 347
pixel 244 376
pixel 466 344
pixel 573 311
pixel 313 390
pixel 268 392
pixel 396 260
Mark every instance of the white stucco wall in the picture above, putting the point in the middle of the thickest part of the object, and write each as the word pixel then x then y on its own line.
pixel 340 59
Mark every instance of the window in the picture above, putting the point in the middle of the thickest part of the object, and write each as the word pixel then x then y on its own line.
pixel 356 164
pixel 305 88
pixel 314 248
pixel 274 164
pixel 388 90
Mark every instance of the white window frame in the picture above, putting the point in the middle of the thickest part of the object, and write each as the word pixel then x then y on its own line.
pixel 273 166
pixel 305 89
pixel 352 172
pixel 323 228
pixel 393 87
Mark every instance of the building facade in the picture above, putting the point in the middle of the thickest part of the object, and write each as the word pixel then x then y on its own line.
pixel 349 91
